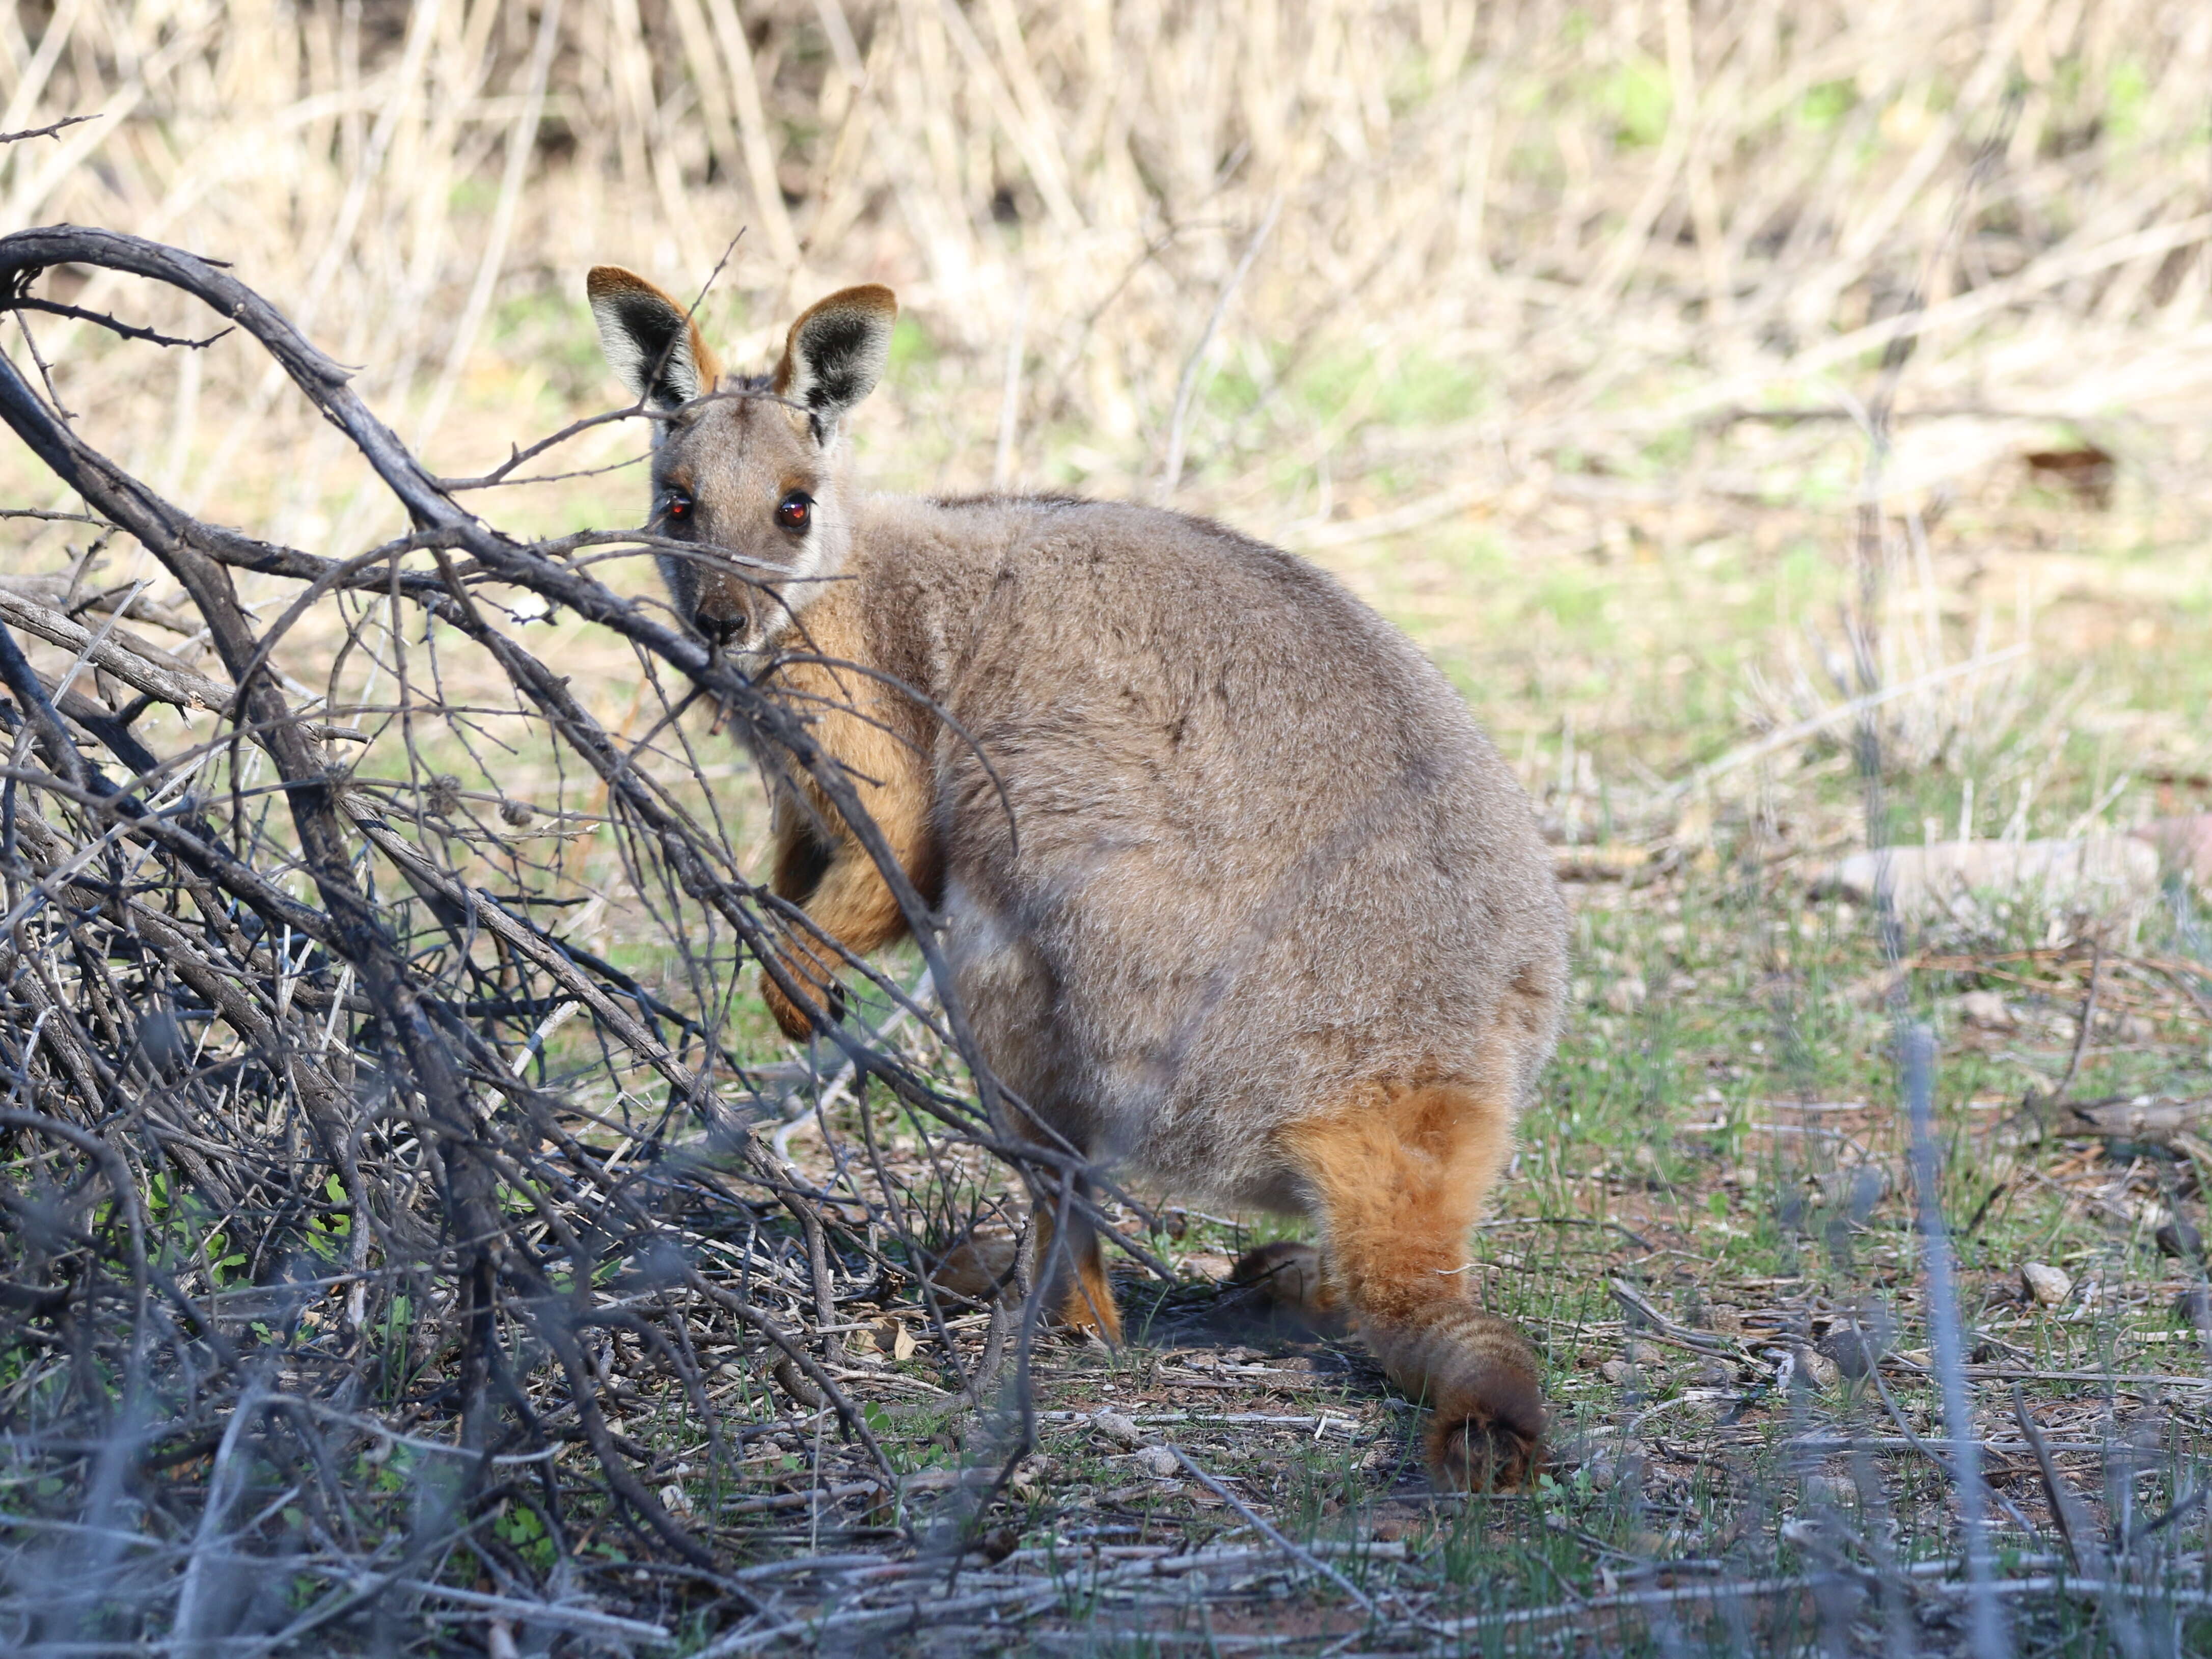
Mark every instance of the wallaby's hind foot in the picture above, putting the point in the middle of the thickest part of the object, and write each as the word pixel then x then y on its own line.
pixel 1486 1431
pixel 1287 1275
pixel 1286 1283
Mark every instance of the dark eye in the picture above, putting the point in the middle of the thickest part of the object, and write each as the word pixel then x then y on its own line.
pixel 679 505
pixel 793 510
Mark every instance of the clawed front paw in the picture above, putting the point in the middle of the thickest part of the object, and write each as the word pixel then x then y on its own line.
pixel 790 1017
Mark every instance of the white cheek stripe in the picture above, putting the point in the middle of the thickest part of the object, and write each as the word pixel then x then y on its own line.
pixel 793 589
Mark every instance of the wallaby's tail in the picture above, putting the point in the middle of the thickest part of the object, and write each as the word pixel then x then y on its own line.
pixel 1486 1425
pixel 1398 1174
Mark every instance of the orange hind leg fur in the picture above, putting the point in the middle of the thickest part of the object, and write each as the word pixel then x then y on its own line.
pixel 1398 1176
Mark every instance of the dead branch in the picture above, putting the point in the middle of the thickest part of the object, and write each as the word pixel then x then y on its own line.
pixel 291 1033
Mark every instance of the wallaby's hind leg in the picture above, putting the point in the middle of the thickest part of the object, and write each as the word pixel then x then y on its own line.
pixel 1398 1177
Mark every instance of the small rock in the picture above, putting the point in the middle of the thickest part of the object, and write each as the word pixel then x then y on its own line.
pixel 1817 1369
pixel 1159 1462
pixel 1619 1372
pixel 1114 1426
pixel 1646 1353
pixel 1716 1374
pixel 675 1499
pixel 1619 1468
pixel 1985 1009
pixel 2044 1284
pixel 2134 1030
pixel 2177 1238
pixel 1626 994
pixel 1388 1454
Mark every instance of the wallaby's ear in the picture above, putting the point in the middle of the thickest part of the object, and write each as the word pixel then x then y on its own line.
pixel 836 352
pixel 649 339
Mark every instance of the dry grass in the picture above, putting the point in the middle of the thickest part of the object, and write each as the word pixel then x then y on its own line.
pixel 1670 370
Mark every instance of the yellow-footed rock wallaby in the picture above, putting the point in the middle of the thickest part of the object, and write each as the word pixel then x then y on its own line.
pixel 1236 895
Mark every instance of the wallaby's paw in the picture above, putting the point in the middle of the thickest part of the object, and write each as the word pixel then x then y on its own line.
pixel 1481 1453
pixel 791 1020
pixel 982 1269
pixel 1087 1306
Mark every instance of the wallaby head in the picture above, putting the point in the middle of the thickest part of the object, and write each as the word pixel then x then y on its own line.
pixel 750 471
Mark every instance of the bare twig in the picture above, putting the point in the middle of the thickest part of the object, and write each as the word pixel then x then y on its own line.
pixel 49 131
pixel 113 324
pixel 1304 1558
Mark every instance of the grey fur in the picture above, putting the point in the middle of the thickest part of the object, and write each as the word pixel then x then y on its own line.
pixel 1253 856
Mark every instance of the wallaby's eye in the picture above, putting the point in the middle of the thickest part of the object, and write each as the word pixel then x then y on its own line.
pixel 793 511
pixel 679 506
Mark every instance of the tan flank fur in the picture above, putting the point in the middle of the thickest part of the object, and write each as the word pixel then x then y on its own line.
pixel 1252 909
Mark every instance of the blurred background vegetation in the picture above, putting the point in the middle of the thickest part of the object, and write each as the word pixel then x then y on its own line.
pixel 1559 331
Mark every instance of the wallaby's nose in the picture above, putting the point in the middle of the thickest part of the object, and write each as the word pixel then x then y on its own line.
pixel 724 631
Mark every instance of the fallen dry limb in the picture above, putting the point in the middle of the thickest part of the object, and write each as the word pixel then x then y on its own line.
pixel 325 1152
